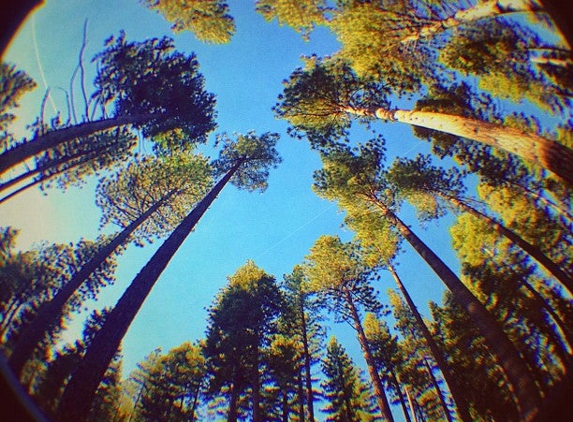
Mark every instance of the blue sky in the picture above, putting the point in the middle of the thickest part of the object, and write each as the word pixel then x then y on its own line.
pixel 275 229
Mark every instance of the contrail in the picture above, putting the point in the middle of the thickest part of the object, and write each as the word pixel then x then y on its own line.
pixel 40 63
pixel 330 206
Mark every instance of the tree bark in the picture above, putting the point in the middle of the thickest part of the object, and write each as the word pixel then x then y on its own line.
pixel 22 152
pixel 438 390
pixel 50 311
pixel 520 381
pixel 80 391
pixel 92 154
pixel 455 389
pixel 370 363
pixel 308 378
pixel 401 398
pixel 484 10
pixel 232 416
pixel 540 151
pixel 256 383
pixel 533 251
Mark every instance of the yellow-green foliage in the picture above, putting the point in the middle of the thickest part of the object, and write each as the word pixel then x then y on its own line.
pixel 207 19
pixel 301 15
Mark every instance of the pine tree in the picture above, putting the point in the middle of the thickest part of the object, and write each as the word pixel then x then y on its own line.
pixel 349 398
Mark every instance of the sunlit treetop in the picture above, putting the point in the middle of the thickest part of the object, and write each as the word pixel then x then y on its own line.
pixel 512 62
pixel 13 85
pixel 256 155
pixel 318 98
pixel 150 79
pixel 208 20
pixel 301 15
pixel 179 181
pixel 371 34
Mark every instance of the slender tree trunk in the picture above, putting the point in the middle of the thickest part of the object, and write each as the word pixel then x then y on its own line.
pixel 301 410
pixel 532 250
pixel 482 10
pixel 401 397
pixel 540 151
pixel 411 403
pixel 20 153
pixel 308 377
pixel 285 406
pixel 50 311
pixel 455 389
pixel 41 169
pixel 232 416
pixel 520 381
pixel 256 383
pixel 370 363
pixel 79 393
pixel 542 304
pixel 438 390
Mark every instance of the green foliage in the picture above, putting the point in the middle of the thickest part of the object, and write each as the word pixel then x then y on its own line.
pixel 31 278
pixel 472 362
pixel 256 155
pixel 319 99
pixel 503 56
pixel 71 163
pixel 170 384
pixel 425 186
pixel 349 397
pixel 241 323
pixel 13 85
pixel 58 369
pixel 177 181
pixel 371 35
pixel 208 20
pixel 336 270
pixel 150 78
pixel 302 16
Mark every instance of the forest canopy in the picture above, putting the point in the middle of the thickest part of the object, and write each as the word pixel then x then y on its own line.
pixel 291 210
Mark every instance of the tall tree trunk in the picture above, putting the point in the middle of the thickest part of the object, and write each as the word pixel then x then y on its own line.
pixel 540 151
pixel 300 386
pixel 80 391
pixel 285 406
pixel 520 380
pixel 394 378
pixel 256 382
pixel 482 10
pixel 13 15
pixel 50 311
pixel 20 153
pixel 532 250
pixel 232 416
pixel 41 169
pixel 542 304
pixel 438 389
pixel 370 363
pixel 411 403
pixel 308 377
pixel 455 389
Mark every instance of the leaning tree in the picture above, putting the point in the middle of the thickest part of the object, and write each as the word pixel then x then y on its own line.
pixel 245 162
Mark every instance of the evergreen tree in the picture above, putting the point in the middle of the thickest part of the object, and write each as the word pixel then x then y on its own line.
pixel 241 323
pixel 346 391
pixel 146 200
pixel 171 99
pixel 246 162
pixel 357 182
pixel 321 100
pixel 208 20
pixel 337 272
